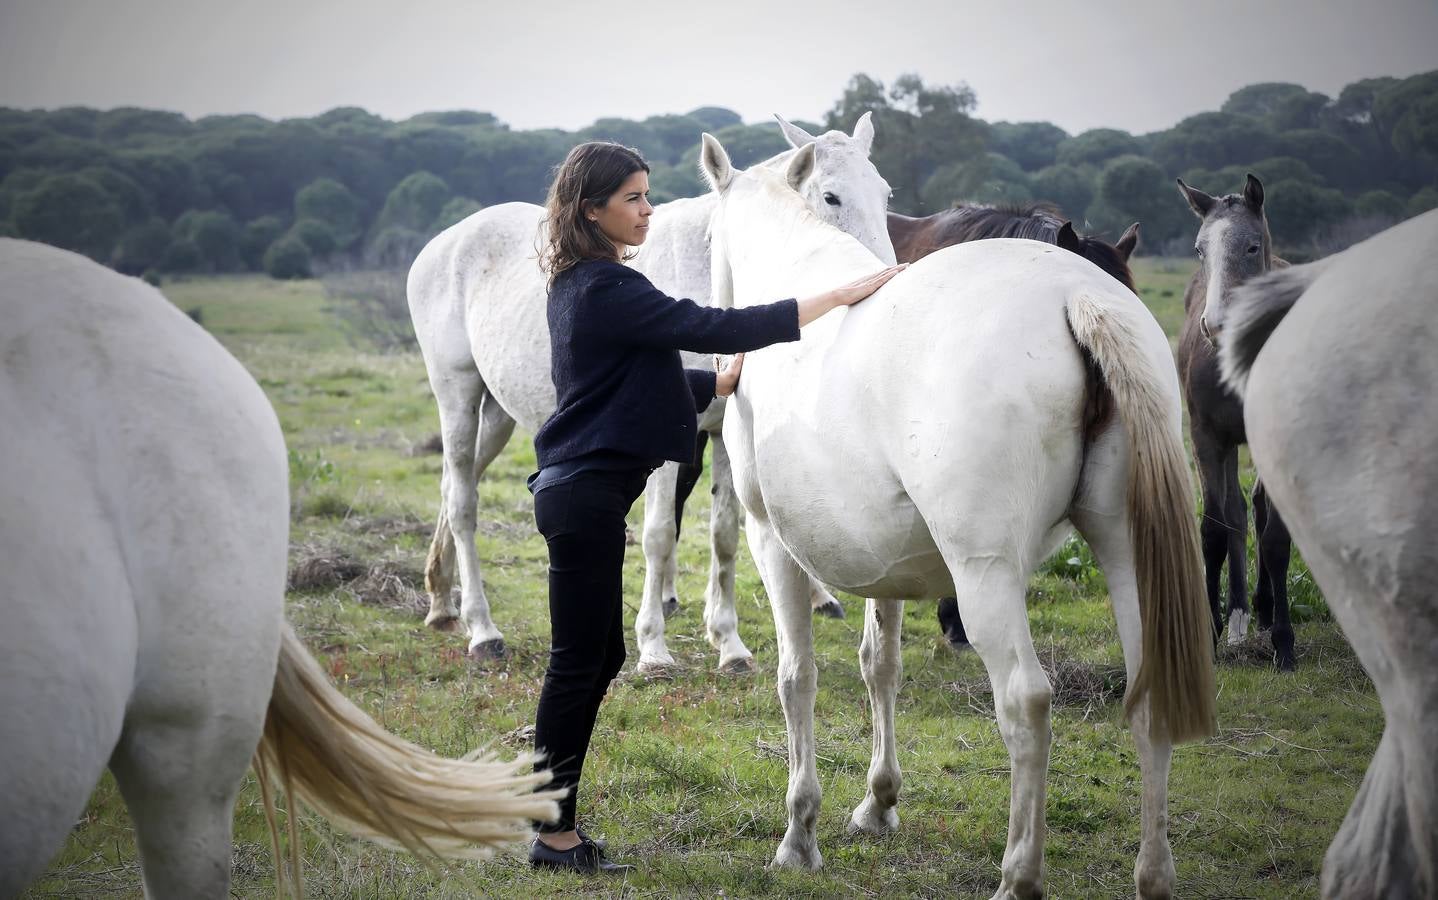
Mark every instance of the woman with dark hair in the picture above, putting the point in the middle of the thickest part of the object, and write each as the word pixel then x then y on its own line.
pixel 625 405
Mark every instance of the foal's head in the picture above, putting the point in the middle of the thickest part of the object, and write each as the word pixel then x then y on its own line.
pixel 1233 245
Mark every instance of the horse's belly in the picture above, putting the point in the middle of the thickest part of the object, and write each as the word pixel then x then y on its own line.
pixel 859 534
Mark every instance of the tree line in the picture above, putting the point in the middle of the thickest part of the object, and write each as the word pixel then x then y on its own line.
pixel 148 191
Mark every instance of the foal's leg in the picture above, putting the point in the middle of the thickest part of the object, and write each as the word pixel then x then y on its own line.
pixel 721 622
pixel 883 669
pixel 1107 534
pixel 787 585
pixel 991 601
pixel 462 502
pixel 1274 548
pixel 660 538
pixel 1236 518
pixel 1213 524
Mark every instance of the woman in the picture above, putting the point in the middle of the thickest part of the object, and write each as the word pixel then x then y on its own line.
pixel 625 405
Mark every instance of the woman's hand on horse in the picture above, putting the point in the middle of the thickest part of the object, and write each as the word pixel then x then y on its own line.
pixel 811 308
pixel 727 380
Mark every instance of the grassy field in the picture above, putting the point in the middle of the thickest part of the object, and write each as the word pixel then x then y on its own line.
pixel 687 774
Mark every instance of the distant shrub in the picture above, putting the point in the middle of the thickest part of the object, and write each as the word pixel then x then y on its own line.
pixel 256 238
pixel 288 258
pixel 317 236
pixel 181 256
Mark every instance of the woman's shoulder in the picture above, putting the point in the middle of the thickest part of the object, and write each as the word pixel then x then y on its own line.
pixel 606 275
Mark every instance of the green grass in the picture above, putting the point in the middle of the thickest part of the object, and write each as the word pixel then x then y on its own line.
pixel 687 775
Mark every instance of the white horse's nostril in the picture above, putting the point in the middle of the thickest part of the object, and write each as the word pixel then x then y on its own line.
pixel 1206 331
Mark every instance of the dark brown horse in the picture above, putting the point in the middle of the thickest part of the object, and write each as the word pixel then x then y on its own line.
pixel 1233 246
pixel 916 238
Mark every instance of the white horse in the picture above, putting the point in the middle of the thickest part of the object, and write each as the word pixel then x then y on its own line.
pixel 145 486
pixel 938 439
pixel 1342 422
pixel 477 298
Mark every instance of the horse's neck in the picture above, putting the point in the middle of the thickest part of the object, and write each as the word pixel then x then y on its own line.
pixel 793 255
pixel 676 255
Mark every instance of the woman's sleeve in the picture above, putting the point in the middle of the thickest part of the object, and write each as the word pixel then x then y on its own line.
pixel 701 385
pixel 630 310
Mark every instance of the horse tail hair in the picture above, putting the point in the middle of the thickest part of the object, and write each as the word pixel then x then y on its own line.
pixel 1257 308
pixel 439 561
pixel 319 746
pixel 1176 671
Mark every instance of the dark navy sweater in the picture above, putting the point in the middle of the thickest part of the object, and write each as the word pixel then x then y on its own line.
pixel 621 387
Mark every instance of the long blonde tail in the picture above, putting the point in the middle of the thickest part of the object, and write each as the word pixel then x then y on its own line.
pixel 1176 672
pixel 319 746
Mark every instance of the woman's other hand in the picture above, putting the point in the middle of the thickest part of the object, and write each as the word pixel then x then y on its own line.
pixel 727 379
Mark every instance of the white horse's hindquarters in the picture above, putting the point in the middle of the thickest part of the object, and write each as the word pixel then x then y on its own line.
pixel 959 410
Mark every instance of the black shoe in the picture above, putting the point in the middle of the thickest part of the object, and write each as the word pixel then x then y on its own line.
pixel 601 843
pixel 585 858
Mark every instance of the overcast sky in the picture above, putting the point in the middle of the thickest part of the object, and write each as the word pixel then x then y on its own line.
pixel 1140 65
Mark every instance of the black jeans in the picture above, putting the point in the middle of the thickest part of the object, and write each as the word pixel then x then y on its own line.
pixel 582 520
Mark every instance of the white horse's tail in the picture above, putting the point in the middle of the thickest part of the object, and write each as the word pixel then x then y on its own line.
pixel 1257 308
pixel 1176 672
pixel 320 746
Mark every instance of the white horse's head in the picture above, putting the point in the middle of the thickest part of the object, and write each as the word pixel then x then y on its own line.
pixel 843 188
pixel 762 225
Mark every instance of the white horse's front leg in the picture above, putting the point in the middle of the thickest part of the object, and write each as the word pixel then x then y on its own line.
pixel 721 622
pixel 798 677
pixel 991 602
pixel 883 668
pixel 660 536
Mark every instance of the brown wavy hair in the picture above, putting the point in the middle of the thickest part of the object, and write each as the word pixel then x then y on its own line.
pixel 587 178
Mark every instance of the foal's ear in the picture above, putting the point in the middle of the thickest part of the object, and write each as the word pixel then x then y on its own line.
pixel 800 167
pixel 864 131
pixel 1253 193
pixel 796 136
pixel 1068 239
pixel 714 163
pixel 1198 201
pixel 1127 242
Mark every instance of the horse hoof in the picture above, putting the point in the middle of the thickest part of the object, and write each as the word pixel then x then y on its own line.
pixel 803 860
pixel 959 647
pixel 830 609
pixel 486 651
pixel 743 665
pixel 670 606
pixel 1284 662
pixel 879 824
pixel 657 669
pixel 446 622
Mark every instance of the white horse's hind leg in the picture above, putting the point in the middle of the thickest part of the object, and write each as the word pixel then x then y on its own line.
pixel 798 677
pixel 991 602
pixel 883 669
pixel 179 780
pixel 1108 537
pixel 458 393
pixel 660 538
pixel 721 621
pixel 485 641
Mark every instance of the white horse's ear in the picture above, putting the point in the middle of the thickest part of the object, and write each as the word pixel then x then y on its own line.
pixel 800 167
pixel 864 131
pixel 714 163
pixel 796 136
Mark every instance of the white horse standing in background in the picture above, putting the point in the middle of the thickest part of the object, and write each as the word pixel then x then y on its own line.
pixel 938 439
pixel 1336 365
pixel 477 298
pixel 145 485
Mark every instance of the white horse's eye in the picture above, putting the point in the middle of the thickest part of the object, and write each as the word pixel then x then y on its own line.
pixel 1197 249
pixel 1253 251
pixel 831 199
